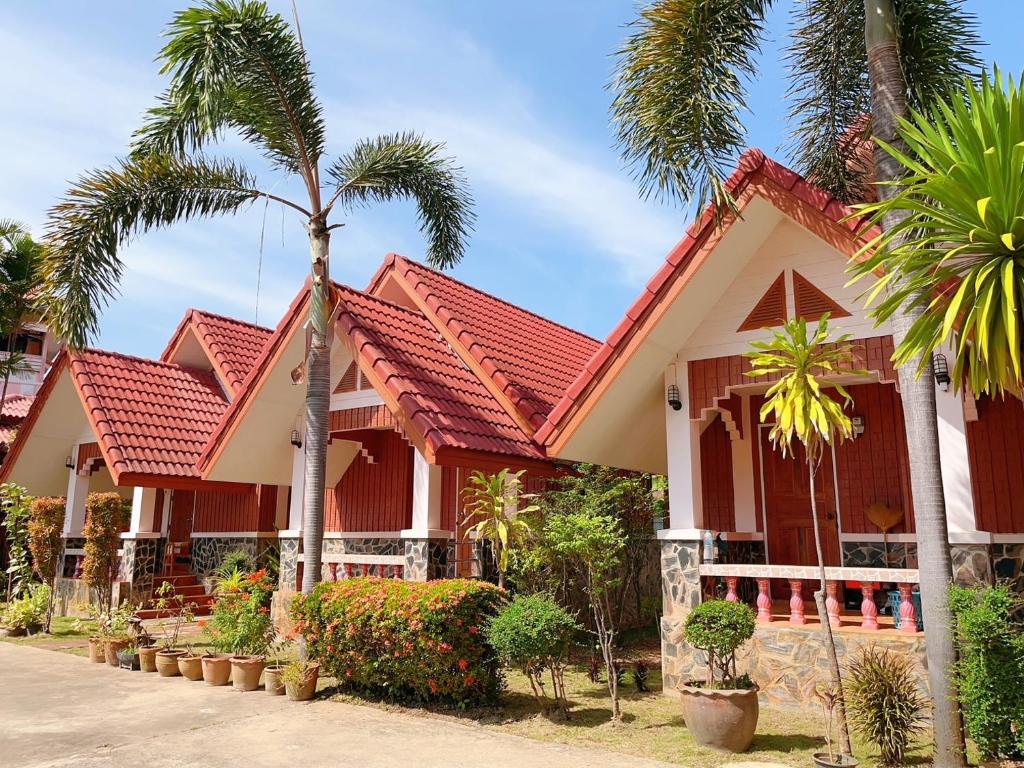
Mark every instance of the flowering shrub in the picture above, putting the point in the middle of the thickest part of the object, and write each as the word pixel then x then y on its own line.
pixel 241 622
pixel 406 641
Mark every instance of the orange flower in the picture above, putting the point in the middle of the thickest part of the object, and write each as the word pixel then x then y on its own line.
pixel 202 623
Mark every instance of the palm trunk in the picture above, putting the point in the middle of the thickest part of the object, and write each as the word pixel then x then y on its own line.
pixel 826 626
pixel 888 101
pixel 7 371
pixel 318 401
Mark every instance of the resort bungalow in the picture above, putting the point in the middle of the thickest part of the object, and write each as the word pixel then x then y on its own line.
pixel 667 393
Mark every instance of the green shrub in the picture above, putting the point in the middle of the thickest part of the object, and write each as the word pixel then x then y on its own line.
pixel 718 628
pixel 14 516
pixel 28 611
pixel 241 622
pixel 236 560
pixel 884 703
pixel 990 673
pixel 533 633
pixel 405 641
pixel 106 515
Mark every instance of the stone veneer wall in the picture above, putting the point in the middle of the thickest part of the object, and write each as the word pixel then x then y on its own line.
pixel 208 552
pixel 680 593
pixel 876 554
pixel 139 562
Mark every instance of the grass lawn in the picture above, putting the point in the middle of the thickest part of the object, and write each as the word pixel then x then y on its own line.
pixel 67 634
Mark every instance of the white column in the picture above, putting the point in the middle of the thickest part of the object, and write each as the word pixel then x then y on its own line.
pixel 165 513
pixel 298 489
pixel 746 481
pixel 74 509
pixel 956 470
pixel 684 486
pixel 143 510
pixel 426 498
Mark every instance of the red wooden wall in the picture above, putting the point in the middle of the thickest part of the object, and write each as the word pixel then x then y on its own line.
pixel 996 454
pixel 220 512
pixel 374 497
pixel 716 477
pixel 874 468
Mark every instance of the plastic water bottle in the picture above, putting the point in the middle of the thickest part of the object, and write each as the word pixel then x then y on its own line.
pixel 709 547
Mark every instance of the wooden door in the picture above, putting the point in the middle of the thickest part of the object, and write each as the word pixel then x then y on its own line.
pixel 787 499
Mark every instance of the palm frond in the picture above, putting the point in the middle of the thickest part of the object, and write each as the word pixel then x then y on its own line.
pixel 829 95
pixel 939 41
pixel 680 88
pixel 21 260
pixel 234 65
pixel 105 208
pixel 407 166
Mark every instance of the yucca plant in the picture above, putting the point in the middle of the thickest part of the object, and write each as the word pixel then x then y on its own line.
pixel 807 415
pixel 885 702
pixel 958 253
pixel 493 513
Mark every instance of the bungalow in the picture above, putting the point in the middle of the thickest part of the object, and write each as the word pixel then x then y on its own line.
pixel 431 379
pixel 667 393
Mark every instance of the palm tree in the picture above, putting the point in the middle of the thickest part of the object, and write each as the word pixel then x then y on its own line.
pixel 806 414
pixel 234 66
pixel 21 279
pixel 493 513
pixel 680 89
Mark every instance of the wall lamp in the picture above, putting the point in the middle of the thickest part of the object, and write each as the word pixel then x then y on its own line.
pixel 941 370
pixel 69 463
pixel 673 397
pixel 857 425
pixel 296 440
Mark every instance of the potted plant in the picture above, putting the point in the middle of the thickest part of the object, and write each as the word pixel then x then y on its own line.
pixel 300 679
pixel 25 615
pixel 272 682
pixel 831 759
pixel 128 658
pixel 722 710
pixel 147 654
pixel 217 668
pixel 190 664
pixel 179 612
pixel 116 630
pixel 242 625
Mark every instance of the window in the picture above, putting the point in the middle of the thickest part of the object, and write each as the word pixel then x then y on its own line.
pixel 25 342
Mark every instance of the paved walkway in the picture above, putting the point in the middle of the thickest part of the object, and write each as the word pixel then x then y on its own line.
pixel 60 710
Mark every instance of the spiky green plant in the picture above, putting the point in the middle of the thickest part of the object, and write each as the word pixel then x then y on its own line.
pixel 494 513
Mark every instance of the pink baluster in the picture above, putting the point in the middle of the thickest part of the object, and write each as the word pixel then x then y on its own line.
pixel 396 571
pixel 796 602
pixel 832 603
pixel 764 601
pixel 868 609
pixel 908 613
pixel 348 570
pixel 334 571
pixel 731 595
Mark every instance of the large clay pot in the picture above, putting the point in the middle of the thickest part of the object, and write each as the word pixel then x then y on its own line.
pixel 147 658
pixel 167 662
pixel 305 690
pixel 721 719
pixel 246 672
pixel 822 760
pixel 217 669
pixel 111 647
pixel 96 653
pixel 191 667
pixel 272 682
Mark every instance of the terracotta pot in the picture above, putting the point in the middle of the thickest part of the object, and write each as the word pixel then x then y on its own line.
pixel 217 669
pixel 96 654
pixel 721 719
pixel 167 662
pixel 246 672
pixel 306 690
pixel 111 647
pixel 822 760
pixel 272 683
pixel 191 667
pixel 147 658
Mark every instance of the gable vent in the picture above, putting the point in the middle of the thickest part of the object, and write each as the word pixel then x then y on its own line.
pixel 770 310
pixel 811 302
pixel 349 382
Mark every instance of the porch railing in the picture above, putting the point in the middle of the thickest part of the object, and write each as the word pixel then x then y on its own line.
pixel 349 565
pixel 904 578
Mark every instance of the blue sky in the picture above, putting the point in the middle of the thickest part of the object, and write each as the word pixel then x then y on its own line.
pixel 516 89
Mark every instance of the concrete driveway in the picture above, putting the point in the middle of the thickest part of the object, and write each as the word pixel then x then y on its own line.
pixel 61 710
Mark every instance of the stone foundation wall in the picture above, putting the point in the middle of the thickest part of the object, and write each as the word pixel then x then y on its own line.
pixel 139 564
pixel 872 554
pixel 73 596
pixel 208 552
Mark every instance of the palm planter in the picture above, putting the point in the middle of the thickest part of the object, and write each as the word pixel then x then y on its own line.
pixel 246 672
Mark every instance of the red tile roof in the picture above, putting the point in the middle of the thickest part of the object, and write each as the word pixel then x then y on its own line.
pixel 780 184
pixel 15 408
pixel 150 417
pixel 233 345
pixel 437 393
pixel 531 359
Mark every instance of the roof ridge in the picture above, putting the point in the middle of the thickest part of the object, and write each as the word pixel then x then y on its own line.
pixel 235 320
pixel 506 302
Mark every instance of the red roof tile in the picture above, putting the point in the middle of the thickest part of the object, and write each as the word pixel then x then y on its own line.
pixel 233 345
pixel 150 417
pixel 437 393
pixel 753 166
pixel 531 359
pixel 15 408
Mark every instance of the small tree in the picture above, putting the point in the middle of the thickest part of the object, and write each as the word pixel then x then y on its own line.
pixel 46 541
pixel 493 513
pixel 806 414
pixel 589 546
pixel 106 515
pixel 719 628
pixel 15 504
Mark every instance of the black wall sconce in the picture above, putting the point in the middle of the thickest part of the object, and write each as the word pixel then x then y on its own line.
pixel 69 463
pixel 673 397
pixel 941 370
pixel 857 425
pixel 296 440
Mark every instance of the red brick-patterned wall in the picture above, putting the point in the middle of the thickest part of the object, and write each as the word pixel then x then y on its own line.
pixel 374 497
pixel 996 453
pixel 716 477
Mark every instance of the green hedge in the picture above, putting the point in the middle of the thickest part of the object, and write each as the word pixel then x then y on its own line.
pixel 405 641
